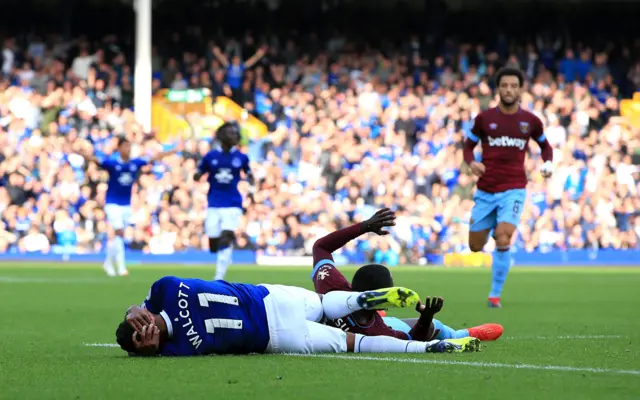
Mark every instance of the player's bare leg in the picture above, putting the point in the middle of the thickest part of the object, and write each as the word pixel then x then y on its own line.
pixel 224 249
pixel 501 261
pixel 477 240
pixel 484 332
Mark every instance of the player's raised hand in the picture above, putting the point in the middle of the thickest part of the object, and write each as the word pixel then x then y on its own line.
pixel 477 168
pixel 431 307
pixel 381 219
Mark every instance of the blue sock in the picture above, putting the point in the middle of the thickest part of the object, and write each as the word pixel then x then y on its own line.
pixel 446 332
pixel 499 270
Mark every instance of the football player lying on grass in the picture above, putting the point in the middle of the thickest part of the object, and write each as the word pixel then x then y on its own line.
pixel 186 317
pixel 327 279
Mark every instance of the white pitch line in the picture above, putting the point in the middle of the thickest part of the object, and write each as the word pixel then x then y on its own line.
pixel 10 279
pixel 475 364
pixel 562 337
pixel 480 364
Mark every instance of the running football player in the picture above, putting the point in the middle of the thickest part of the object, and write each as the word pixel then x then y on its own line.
pixel 504 132
pixel 223 167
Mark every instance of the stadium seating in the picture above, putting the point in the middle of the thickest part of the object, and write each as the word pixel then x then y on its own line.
pixel 332 137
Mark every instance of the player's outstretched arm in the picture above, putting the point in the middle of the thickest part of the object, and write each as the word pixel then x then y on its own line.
pixel 85 150
pixel 323 247
pixel 163 154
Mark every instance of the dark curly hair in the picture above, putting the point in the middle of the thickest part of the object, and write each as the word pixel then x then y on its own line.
pixel 508 71
pixel 124 337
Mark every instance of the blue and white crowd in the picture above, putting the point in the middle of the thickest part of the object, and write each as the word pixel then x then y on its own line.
pixel 348 132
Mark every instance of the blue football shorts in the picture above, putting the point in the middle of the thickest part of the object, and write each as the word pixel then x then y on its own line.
pixel 397 324
pixel 492 208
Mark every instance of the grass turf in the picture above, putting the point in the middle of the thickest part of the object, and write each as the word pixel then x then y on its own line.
pixel 583 319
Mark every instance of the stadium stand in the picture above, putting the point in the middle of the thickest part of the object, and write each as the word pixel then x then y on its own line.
pixel 333 131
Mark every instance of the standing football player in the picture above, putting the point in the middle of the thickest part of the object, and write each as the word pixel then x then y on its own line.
pixel 500 195
pixel 223 166
pixel 123 173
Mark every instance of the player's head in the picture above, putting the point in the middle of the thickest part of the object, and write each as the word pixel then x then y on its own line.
pixel 509 82
pixel 228 134
pixel 124 337
pixel 371 277
pixel 124 148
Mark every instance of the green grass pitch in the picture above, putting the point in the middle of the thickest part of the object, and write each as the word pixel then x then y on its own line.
pixel 569 334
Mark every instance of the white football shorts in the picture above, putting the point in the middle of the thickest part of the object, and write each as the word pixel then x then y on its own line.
pixel 117 215
pixel 294 316
pixel 222 219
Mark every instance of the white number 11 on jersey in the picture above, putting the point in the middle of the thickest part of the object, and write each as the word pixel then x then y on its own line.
pixel 220 323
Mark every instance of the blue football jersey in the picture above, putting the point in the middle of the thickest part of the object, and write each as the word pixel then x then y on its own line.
pixel 224 175
pixel 210 317
pixel 122 175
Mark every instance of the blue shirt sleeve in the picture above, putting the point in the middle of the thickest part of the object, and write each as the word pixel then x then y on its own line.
pixel 106 163
pixel 142 161
pixel 153 302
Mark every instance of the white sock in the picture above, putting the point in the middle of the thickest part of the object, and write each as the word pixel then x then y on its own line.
pixel 338 304
pixel 108 261
pixel 387 344
pixel 119 255
pixel 224 259
pixel 108 265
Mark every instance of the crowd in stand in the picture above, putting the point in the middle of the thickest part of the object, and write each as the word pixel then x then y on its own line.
pixel 350 129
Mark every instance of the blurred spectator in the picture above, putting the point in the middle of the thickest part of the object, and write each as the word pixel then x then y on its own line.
pixel 349 131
